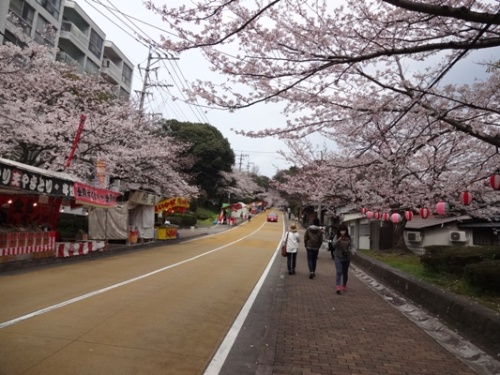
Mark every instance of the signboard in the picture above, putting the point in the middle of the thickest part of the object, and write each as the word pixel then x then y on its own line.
pixel 91 196
pixel 14 178
pixel 171 203
pixel 144 198
pixel 101 179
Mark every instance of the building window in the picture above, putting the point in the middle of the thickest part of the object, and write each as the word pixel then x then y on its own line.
pixel 45 32
pixel 127 75
pixel 91 68
pixel 22 14
pixel 51 6
pixel 96 43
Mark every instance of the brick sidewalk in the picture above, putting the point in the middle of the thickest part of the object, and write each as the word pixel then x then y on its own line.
pixel 320 332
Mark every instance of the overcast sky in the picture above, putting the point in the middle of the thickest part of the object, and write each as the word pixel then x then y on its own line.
pixel 251 152
pixel 262 153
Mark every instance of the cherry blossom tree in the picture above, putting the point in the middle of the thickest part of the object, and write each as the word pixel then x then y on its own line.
pixel 41 102
pixel 239 185
pixel 368 74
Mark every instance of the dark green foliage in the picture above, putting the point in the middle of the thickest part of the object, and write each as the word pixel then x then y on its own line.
pixel 484 275
pixel 454 259
pixel 212 152
pixel 182 220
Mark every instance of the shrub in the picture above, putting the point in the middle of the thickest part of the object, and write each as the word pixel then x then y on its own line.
pixel 484 275
pixel 182 220
pixel 454 259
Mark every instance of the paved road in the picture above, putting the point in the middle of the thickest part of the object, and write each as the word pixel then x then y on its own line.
pixel 300 326
pixel 161 310
pixel 173 322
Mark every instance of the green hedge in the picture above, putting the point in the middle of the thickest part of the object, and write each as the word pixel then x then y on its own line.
pixel 484 275
pixel 454 259
pixel 182 220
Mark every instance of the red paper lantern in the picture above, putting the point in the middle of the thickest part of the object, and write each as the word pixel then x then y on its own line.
pixel 369 215
pixel 396 218
pixel 408 215
pixel 442 208
pixel 495 181
pixel 364 210
pixel 386 216
pixel 424 212
pixel 376 216
pixel 466 197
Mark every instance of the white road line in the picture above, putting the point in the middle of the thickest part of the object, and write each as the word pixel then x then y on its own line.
pixel 114 286
pixel 220 357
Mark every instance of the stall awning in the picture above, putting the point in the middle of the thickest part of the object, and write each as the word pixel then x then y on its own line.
pixel 171 204
pixel 25 178
pixel 145 198
pixel 90 196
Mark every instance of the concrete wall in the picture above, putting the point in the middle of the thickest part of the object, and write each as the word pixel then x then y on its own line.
pixel 478 324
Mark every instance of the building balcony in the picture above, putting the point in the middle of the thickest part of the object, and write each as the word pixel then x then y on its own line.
pixel 67 59
pixel 111 71
pixel 72 33
pixel 14 21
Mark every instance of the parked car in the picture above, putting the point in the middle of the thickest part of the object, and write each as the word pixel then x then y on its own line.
pixel 272 217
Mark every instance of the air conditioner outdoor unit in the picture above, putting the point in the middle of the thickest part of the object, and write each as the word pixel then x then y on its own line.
pixel 458 237
pixel 414 236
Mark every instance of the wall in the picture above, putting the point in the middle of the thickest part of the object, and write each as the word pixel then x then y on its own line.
pixel 478 324
pixel 435 236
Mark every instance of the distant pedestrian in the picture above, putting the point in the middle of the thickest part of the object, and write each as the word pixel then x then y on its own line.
pixel 292 246
pixel 313 239
pixel 343 251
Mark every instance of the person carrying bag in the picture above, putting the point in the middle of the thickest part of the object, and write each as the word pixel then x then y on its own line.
pixel 290 248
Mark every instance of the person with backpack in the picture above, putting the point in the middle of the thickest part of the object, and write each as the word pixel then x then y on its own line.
pixel 313 239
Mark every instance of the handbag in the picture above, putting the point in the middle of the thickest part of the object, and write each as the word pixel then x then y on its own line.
pixel 283 248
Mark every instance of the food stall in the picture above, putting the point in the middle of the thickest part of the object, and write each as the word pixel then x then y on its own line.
pixel 90 198
pixel 167 231
pixel 129 221
pixel 30 202
pixel 30 198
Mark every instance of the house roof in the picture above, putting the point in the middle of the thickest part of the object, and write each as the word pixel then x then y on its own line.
pixel 353 216
pixel 432 221
pixel 43 172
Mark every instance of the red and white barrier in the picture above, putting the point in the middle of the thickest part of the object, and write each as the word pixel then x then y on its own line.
pixel 69 249
pixel 26 242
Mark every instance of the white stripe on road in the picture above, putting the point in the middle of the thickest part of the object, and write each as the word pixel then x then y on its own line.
pixel 220 357
pixel 114 286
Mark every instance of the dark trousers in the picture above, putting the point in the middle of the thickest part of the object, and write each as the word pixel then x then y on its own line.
pixel 342 267
pixel 291 261
pixel 312 257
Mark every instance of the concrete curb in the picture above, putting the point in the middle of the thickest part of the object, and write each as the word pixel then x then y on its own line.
pixel 478 324
pixel 109 251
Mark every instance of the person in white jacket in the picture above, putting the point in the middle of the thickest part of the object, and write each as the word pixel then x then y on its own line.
pixel 292 245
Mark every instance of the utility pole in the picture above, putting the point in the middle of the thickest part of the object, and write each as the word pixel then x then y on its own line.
pixel 241 160
pixel 146 82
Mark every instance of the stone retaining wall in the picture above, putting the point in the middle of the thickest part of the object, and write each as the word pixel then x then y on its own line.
pixel 478 324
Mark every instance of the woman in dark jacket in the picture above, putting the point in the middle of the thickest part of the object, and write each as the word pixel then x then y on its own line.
pixel 342 245
pixel 313 238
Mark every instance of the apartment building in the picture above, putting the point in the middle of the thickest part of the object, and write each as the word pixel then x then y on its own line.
pixel 65 25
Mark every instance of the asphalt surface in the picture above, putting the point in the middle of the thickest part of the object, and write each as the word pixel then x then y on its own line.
pixel 299 326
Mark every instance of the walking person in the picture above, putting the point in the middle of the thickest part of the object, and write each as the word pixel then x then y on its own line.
pixel 343 251
pixel 313 239
pixel 292 246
